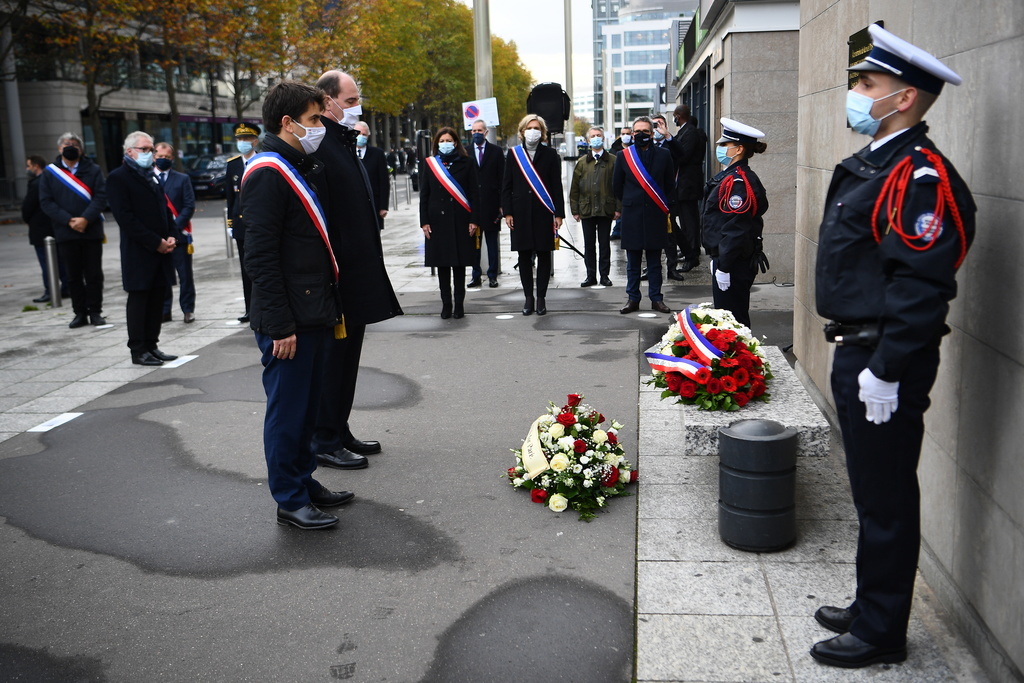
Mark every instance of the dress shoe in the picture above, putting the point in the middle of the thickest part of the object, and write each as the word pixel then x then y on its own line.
pixel 660 307
pixel 589 282
pixel 146 358
pixel 190 317
pixel 458 311
pixel 446 311
pixel 80 320
pixel 528 307
pixel 363 447
pixel 45 298
pixel 325 498
pixel 165 357
pixel 96 320
pixel 643 274
pixel 166 318
pixel 630 307
pixel 834 618
pixel 492 283
pixel 308 517
pixel 473 283
pixel 243 318
pixel 674 275
pixel 605 282
pixel 686 266
pixel 342 459
pixel 850 652
pixel 542 308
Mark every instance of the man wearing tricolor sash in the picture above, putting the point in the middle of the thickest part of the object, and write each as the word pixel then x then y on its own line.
pixel 295 303
pixel 643 173
pixel 73 193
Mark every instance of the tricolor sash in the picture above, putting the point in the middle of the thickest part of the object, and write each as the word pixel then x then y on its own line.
pixel 704 349
pixel 69 179
pixel 532 178
pixel 448 182
pixel 188 227
pixel 278 163
pixel 644 178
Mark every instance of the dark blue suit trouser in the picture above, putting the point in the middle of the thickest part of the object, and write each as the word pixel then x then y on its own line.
pixel 186 282
pixel 293 393
pixel 634 259
pixel 882 464
pixel 493 256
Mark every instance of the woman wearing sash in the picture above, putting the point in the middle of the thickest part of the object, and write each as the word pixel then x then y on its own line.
pixel 731 225
pixel 534 206
pixel 448 204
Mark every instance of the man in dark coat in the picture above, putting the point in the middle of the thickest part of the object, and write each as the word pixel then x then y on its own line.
pixel 178 188
pixel 376 165
pixel 73 193
pixel 147 240
pixel 644 223
pixel 40 227
pixel 689 146
pixel 246 140
pixel 366 292
pixel 490 163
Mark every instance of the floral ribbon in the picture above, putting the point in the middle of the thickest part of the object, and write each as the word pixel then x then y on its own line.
pixel 534 459
pixel 663 363
pixel 704 349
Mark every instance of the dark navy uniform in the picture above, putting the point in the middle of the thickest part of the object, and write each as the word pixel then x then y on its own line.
pixel 876 280
pixel 731 228
pixel 232 191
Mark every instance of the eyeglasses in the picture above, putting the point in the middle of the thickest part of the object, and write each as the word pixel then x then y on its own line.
pixel 144 150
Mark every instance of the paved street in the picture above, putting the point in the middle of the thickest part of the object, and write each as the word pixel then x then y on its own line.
pixel 138 538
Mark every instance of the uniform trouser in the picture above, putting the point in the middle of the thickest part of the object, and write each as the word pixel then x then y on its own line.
pixel 186 283
pixel 445 274
pixel 246 282
pixel 686 229
pixel 62 271
pixel 634 259
pixel 737 297
pixel 526 272
pixel 84 261
pixel 596 232
pixel 493 256
pixel 143 315
pixel 882 464
pixel 293 391
pixel 341 369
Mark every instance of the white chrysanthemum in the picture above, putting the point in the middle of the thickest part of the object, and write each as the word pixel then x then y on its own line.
pixel 566 443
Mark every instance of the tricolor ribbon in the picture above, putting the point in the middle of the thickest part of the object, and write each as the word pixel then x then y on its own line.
pixel 69 179
pixel 704 349
pixel 448 182
pixel 644 178
pixel 532 178
pixel 663 363
pixel 278 163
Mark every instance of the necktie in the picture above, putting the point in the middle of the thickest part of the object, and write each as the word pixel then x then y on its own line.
pixel 163 178
pixel 479 156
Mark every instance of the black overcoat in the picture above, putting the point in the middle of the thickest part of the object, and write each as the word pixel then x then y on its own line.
pixel 533 225
pixel 488 179
pixel 643 224
pixel 689 147
pixel 61 203
pixel 141 212
pixel 39 224
pixel 450 243
pixel 376 165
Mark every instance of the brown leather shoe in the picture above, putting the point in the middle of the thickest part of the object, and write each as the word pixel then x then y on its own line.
pixel 630 307
pixel 660 307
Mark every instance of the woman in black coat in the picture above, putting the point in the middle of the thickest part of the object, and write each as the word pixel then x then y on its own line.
pixel 731 224
pixel 449 227
pixel 531 223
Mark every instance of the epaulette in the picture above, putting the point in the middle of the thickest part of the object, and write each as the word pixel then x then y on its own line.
pixel 237 156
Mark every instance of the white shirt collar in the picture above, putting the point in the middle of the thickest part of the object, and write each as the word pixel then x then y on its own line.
pixel 875 144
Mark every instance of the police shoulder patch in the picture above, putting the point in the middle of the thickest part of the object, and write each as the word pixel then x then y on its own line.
pixel 927 228
pixel 735 201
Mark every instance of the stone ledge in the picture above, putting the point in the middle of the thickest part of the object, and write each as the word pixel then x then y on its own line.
pixel 697 430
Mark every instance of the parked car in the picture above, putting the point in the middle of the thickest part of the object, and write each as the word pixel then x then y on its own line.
pixel 207 174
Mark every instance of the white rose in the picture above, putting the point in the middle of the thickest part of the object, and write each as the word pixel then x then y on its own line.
pixel 558 503
pixel 559 462
pixel 556 431
pixel 599 436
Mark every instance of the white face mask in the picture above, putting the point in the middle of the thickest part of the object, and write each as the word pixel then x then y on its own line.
pixel 312 137
pixel 531 136
pixel 350 116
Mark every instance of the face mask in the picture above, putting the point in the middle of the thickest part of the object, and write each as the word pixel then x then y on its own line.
pixel 531 136
pixel 446 147
pixel 163 164
pixel 858 112
pixel 144 160
pixel 596 142
pixel 642 138
pixel 30 174
pixel 71 153
pixel 658 135
pixel 478 138
pixel 311 140
pixel 243 146
pixel 723 156
pixel 626 139
pixel 361 140
pixel 350 116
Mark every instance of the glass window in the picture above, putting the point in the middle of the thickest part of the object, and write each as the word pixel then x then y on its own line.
pixel 646 57
pixel 616 41
pixel 652 37
pixel 644 76
pixel 641 95
pixel 616 60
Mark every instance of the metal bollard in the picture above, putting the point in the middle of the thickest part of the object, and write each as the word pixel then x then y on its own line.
pixel 53 272
pixel 229 242
pixel 408 191
pixel 394 191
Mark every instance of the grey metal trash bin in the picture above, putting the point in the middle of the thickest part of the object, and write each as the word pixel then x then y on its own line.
pixel 757 485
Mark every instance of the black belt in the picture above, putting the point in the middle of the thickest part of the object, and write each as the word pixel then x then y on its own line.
pixel 852 334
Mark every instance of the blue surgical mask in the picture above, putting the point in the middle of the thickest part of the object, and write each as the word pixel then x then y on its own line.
pixel 163 164
pixel 858 112
pixel 144 160
pixel 361 140
pixel 478 138
pixel 596 142
pixel 446 148
pixel 658 135
pixel 723 155
pixel 243 146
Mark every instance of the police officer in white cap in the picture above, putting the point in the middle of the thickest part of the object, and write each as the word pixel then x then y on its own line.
pixel 898 222
pixel 731 223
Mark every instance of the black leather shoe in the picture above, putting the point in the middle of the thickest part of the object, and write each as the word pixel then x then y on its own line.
pixel 492 283
pixel 686 266
pixel 165 357
pixel 243 318
pixel 342 459
pixel 660 307
pixel 605 282
pixel 446 311
pixel 364 447
pixel 630 307
pixel 95 319
pixel 79 320
pixel 643 274
pixel 45 298
pixel 146 358
pixel 589 282
pixel 834 618
pixel 190 318
pixel 325 498
pixel 850 652
pixel 166 318
pixel 308 517
pixel 473 283
pixel 458 311
pixel 673 275
pixel 542 308
pixel 528 307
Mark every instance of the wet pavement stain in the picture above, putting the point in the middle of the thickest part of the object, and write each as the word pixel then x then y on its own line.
pixel 33 665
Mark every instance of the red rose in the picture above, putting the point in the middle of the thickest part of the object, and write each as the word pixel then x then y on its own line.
pixel 714 386
pixel 741 399
pixel 538 495
pixel 757 388
pixel 566 419
pixel 741 376
pixel 729 384
pixel 688 389
pixel 511 472
pixel 574 400
pixel 579 446
pixel 612 478
pixel 600 418
pixel 633 476
pixel 703 375
pixel 612 439
pixel 673 380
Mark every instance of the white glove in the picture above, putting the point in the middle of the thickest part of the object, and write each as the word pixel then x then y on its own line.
pixel 724 280
pixel 880 398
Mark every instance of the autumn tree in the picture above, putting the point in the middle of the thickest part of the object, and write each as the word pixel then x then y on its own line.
pixel 450 78
pixel 511 85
